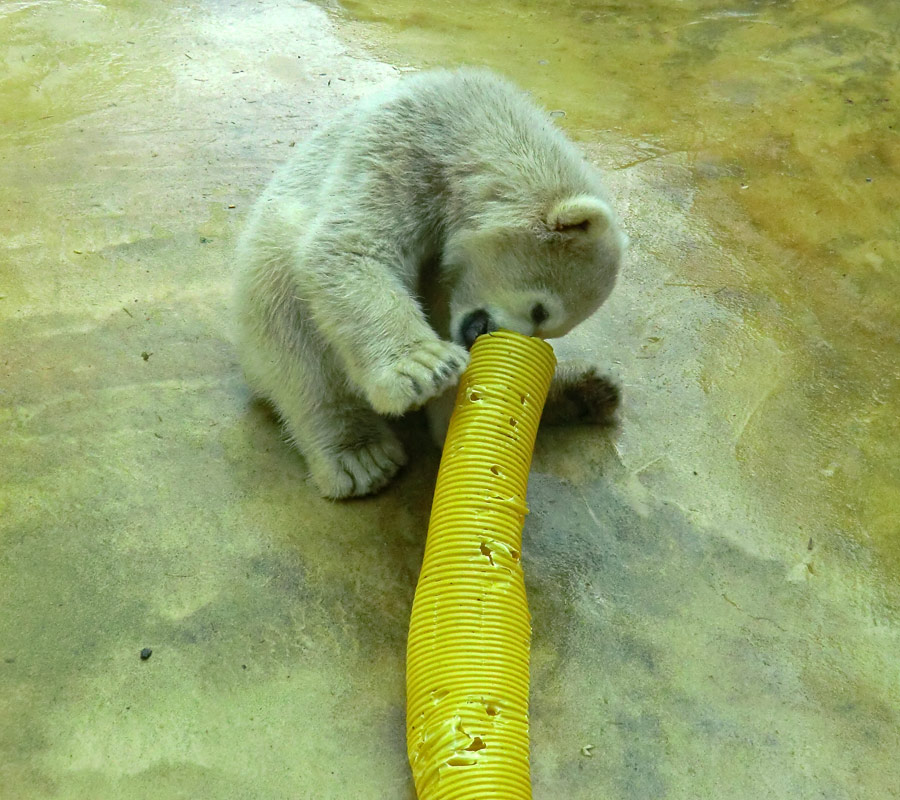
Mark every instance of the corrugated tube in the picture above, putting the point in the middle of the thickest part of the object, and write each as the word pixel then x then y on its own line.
pixel 470 631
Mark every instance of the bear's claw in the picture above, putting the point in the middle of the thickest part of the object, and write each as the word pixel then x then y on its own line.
pixel 411 380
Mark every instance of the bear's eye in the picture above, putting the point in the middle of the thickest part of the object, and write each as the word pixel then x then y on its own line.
pixel 539 314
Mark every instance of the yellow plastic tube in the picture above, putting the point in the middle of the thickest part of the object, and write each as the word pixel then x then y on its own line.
pixel 470 630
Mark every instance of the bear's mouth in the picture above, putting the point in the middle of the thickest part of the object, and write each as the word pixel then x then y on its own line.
pixel 474 324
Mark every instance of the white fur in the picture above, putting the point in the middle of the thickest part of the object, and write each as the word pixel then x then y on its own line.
pixel 449 193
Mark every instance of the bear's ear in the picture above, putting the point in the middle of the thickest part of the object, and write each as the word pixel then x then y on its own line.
pixel 581 213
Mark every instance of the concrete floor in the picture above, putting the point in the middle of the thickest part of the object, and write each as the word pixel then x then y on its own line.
pixel 714 585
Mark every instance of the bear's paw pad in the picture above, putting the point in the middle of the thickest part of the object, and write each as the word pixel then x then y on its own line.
pixel 588 398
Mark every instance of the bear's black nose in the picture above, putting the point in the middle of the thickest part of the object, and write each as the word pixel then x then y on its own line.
pixel 474 324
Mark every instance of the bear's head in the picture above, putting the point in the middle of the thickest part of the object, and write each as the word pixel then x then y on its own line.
pixel 539 276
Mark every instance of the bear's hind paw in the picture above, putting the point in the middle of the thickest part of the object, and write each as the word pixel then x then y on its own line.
pixel 581 396
pixel 358 471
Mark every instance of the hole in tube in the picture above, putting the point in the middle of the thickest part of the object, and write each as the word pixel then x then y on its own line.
pixel 486 551
pixel 514 553
pixel 513 421
pixel 524 400
pixel 474 397
pixel 477 744
pixel 492 710
pixel 495 470
pixel 460 761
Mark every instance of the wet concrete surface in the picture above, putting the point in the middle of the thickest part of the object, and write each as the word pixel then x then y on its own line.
pixel 713 584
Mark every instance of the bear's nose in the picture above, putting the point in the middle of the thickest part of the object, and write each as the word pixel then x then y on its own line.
pixel 474 324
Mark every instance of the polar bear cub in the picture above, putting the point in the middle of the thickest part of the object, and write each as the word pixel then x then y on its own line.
pixel 415 221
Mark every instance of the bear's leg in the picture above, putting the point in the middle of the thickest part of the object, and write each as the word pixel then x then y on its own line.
pixel 349 449
pixel 380 334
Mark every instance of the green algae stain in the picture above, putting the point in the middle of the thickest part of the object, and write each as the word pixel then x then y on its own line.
pixel 785 117
pixel 77 63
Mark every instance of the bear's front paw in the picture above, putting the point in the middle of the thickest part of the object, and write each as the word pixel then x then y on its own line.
pixel 411 380
pixel 580 396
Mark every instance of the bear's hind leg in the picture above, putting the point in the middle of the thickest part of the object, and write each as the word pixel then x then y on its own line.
pixel 349 449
